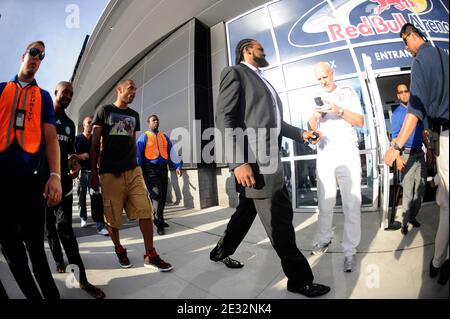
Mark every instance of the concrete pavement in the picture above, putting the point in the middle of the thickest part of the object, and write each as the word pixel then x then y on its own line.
pixel 389 265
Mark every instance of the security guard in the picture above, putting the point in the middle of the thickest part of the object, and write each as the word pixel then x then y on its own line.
pixel 26 119
pixel 154 153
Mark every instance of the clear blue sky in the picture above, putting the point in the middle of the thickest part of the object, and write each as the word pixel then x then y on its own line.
pixel 24 21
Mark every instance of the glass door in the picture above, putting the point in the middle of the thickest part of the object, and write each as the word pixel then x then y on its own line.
pixel 381 140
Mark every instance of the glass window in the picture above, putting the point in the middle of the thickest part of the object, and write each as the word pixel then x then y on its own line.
pixel 306 183
pixel 288 177
pixel 301 105
pixel 255 25
pixel 301 73
pixel 301 27
pixel 275 77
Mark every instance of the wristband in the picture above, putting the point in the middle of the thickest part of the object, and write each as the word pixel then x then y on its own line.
pixel 55 174
pixel 395 146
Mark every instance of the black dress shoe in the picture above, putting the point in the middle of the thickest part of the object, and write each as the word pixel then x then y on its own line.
pixel 160 231
pixel 443 274
pixel 164 224
pixel 311 290
pixel 404 229
pixel 414 222
pixel 433 270
pixel 231 263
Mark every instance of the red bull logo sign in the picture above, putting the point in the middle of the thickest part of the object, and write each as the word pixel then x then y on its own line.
pixel 398 4
pixel 337 20
pixel 371 25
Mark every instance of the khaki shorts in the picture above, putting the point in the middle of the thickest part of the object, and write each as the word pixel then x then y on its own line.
pixel 127 192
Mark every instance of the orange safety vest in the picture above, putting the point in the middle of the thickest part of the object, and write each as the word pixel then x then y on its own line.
pixel 20 117
pixel 156 146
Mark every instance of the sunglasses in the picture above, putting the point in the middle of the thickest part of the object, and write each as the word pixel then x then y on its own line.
pixel 405 39
pixel 401 92
pixel 36 52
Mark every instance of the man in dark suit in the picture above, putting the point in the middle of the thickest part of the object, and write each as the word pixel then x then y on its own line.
pixel 248 103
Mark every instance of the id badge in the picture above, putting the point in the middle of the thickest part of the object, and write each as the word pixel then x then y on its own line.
pixel 20 119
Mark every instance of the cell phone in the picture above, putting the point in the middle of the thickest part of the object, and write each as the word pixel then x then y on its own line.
pixel 318 101
pixel 319 104
pixel 313 139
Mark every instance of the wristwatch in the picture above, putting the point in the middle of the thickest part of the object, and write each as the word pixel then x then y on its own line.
pixel 395 146
pixel 341 111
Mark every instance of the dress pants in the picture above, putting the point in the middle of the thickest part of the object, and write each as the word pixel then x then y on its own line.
pixel 276 215
pixel 82 190
pixel 23 223
pixel 3 294
pixel 414 180
pixel 341 168
pixel 58 227
pixel 441 240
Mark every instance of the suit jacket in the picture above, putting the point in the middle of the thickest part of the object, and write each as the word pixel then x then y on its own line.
pixel 245 102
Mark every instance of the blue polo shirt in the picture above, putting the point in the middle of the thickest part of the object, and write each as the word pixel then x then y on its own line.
pixel 173 156
pixel 427 84
pixel 398 117
pixel 14 161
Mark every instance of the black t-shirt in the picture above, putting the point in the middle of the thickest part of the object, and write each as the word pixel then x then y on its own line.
pixel 83 145
pixel 118 143
pixel 65 130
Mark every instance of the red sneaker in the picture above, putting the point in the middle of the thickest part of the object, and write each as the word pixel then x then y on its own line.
pixel 123 258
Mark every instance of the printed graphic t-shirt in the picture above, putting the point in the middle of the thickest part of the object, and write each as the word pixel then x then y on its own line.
pixel 118 144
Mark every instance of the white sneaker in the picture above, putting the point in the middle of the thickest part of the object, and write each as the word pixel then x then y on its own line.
pixel 83 223
pixel 103 232
pixel 349 263
pixel 320 249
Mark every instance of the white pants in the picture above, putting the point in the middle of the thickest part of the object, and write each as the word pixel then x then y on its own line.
pixel 441 241
pixel 343 167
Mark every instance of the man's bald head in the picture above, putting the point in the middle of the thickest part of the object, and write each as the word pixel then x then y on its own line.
pixel 126 91
pixel 325 75
pixel 63 94
pixel 62 85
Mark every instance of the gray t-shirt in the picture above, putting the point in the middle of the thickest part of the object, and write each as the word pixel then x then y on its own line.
pixel 118 143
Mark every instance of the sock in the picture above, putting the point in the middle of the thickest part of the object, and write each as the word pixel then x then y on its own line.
pixel 152 252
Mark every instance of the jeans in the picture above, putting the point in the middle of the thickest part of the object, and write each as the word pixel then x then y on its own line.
pixel 156 180
pixel 58 227
pixel 82 190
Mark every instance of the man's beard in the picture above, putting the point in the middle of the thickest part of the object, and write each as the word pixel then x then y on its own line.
pixel 261 61
pixel 64 104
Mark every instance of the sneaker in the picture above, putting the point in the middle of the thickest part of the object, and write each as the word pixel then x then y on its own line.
pixel 160 231
pixel 83 223
pixel 60 268
pixel 156 262
pixel 123 258
pixel 320 249
pixel 349 263
pixel 103 232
